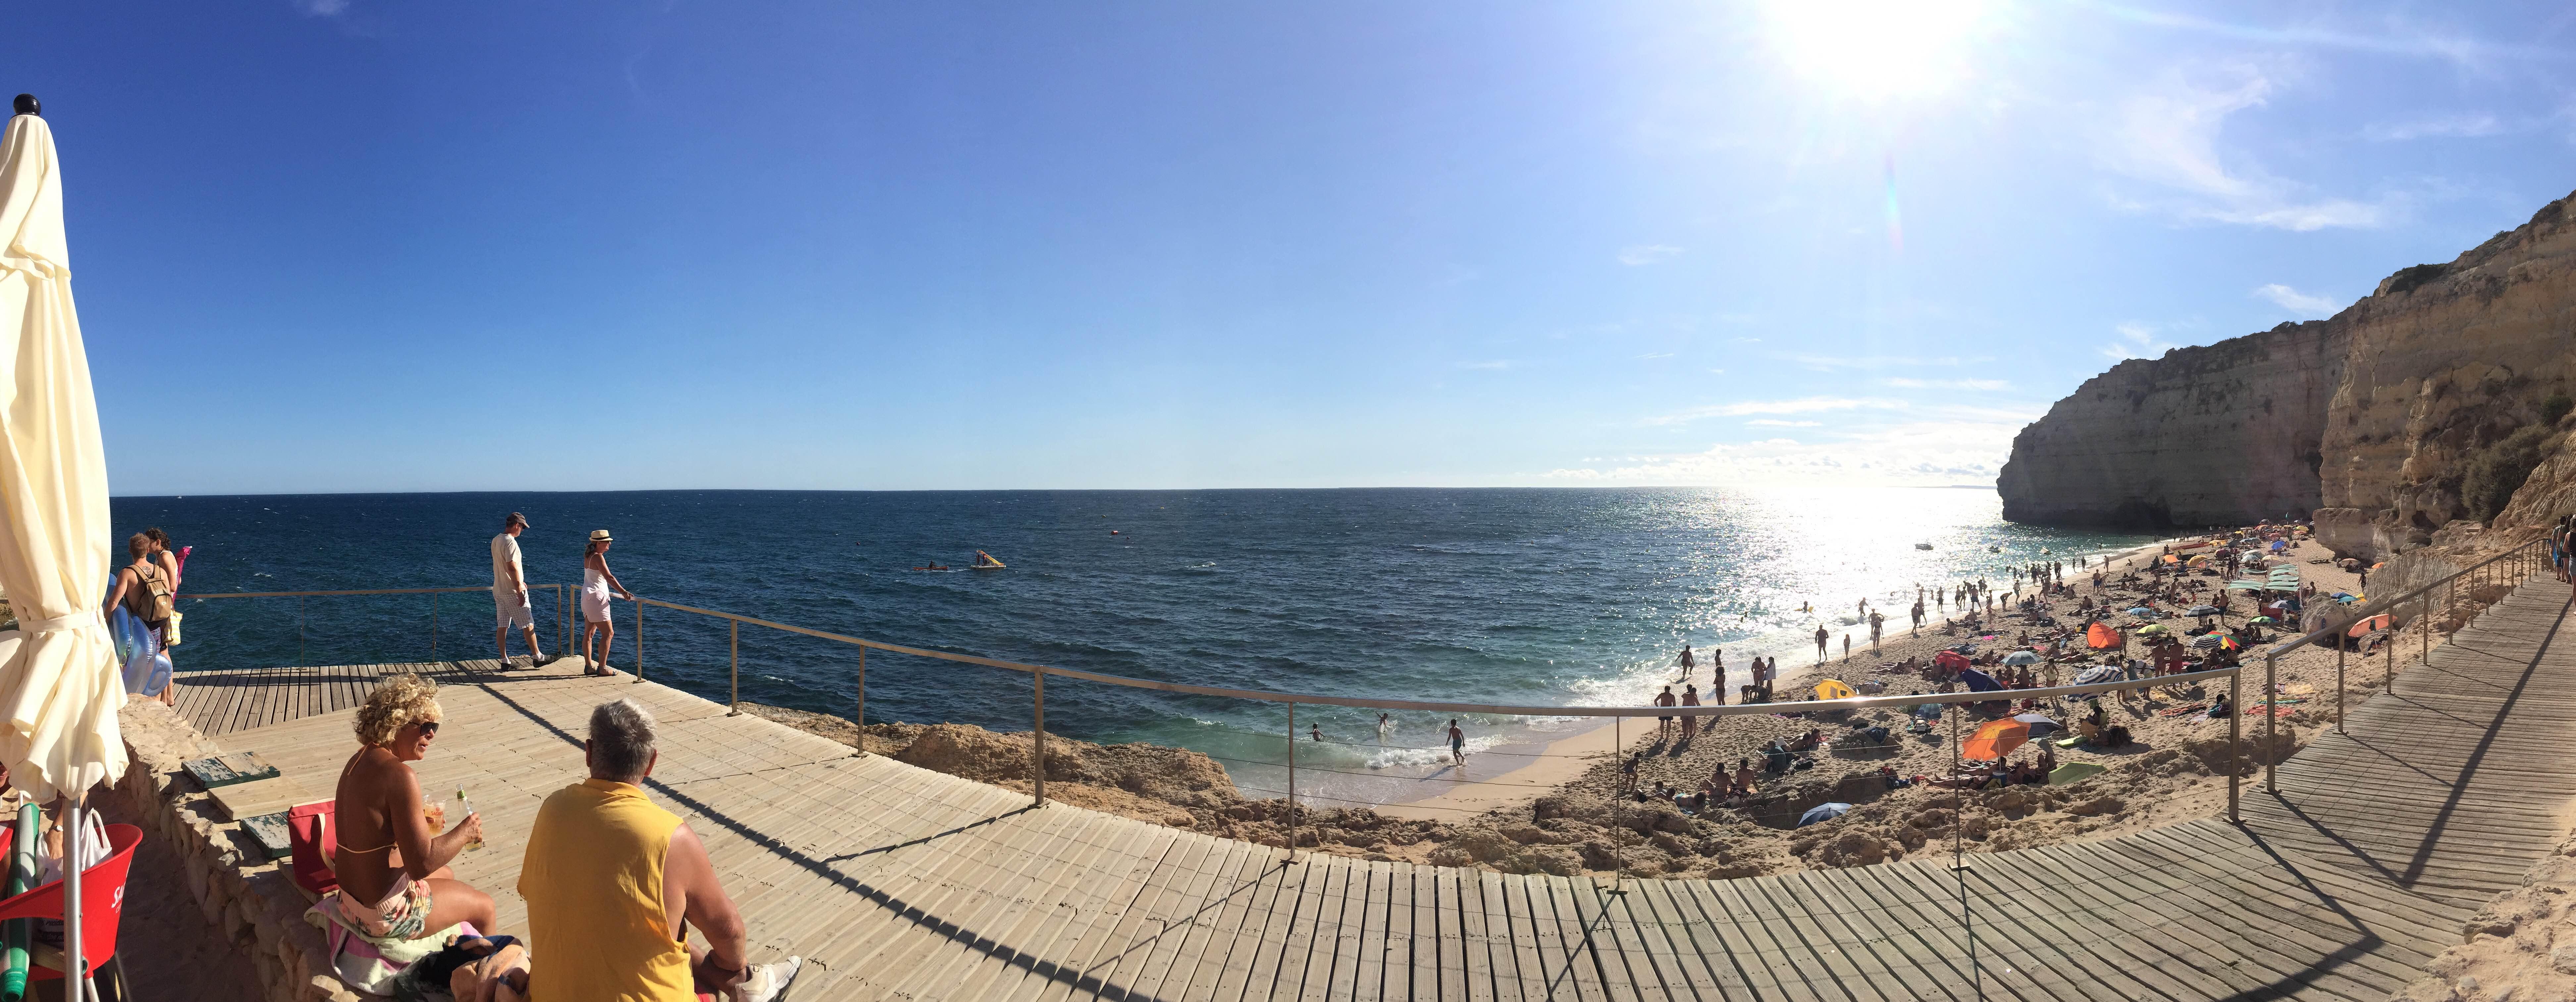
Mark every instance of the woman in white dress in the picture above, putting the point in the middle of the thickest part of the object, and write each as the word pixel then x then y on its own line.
pixel 597 582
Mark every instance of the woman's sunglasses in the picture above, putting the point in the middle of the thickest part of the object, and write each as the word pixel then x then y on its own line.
pixel 427 726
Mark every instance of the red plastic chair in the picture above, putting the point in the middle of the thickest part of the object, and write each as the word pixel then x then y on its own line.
pixel 102 900
pixel 308 829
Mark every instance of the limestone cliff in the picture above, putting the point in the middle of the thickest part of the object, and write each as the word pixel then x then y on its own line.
pixel 2370 417
pixel 2203 436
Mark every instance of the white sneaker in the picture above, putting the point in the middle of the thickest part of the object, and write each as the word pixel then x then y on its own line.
pixel 768 982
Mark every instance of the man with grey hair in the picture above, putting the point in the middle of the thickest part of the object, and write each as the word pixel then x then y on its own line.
pixel 613 884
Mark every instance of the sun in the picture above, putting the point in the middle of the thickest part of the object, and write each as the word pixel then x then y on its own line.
pixel 1880 49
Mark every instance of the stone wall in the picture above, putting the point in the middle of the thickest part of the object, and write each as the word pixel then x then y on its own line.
pixel 244 896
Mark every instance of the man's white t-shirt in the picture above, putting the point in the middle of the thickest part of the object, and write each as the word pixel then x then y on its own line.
pixel 505 559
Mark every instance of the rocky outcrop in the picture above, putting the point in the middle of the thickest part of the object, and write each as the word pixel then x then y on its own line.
pixel 2375 414
pixel 2226 434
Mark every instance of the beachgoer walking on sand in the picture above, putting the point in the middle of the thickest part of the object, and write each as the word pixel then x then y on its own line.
pixel 510 591
pixel 1687 664
pixel 1664 725
pixel 1717 673
pixel 1846 647
pixel 143 588
pixel 1690 725
pixel 599 625
pixel 1821 638
pixel 1875 622
pixel 1457 743
pixel 1629 772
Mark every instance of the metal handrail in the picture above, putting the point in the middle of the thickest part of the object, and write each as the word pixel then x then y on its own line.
pixel 563 611
pixel 1039 674
pixel 2519 560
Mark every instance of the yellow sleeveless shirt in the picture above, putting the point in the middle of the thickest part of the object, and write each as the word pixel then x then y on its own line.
pixel 598 930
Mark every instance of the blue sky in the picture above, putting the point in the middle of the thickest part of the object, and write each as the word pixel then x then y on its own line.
pixel 352 245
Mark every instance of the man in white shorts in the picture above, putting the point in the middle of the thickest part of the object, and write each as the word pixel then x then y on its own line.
pixel 510 591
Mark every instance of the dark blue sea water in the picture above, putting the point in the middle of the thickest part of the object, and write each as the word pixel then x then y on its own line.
pixel 1537 597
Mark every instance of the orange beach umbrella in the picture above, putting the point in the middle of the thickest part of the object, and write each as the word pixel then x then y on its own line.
pixel 2101 637
pixel 2369 623
pixel 1995 740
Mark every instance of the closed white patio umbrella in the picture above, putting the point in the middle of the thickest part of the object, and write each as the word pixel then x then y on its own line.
pixel 59 685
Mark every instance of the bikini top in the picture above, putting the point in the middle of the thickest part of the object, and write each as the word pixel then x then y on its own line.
pixel 336 830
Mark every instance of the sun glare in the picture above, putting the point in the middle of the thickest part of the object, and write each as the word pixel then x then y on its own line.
pixel 1879 49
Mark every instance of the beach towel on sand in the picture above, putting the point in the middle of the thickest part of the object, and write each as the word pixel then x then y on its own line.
pixel 368 963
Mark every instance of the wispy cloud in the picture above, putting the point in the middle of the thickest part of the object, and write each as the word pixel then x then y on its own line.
pixel 2297 302
pixel 1947 384
pixel 2137 340
pixel 1777 423
pixel 1495 364
pixel 2399 38
pixel 2168 135
pixel 1829 363
pixel 323 8
pixel 2465 125
pixel 1655 355
pixel 1802 405
pixel 1645 254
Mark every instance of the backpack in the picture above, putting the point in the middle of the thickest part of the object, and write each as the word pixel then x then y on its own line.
pixel 155 597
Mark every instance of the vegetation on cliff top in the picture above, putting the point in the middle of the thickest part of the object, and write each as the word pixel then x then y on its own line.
pixel 2495 472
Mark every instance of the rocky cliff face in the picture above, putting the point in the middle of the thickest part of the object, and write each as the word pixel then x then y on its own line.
pixel 2203 436
pixel 2371 417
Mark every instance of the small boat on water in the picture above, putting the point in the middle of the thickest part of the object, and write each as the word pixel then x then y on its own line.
pixel 985 562
pixel 935 567
pixel 1922 546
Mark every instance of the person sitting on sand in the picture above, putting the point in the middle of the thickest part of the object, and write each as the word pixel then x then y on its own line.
pixel 392 866
pixel 1745 776
pixel 1628 781
pixel 1808 741
pixel 1894 781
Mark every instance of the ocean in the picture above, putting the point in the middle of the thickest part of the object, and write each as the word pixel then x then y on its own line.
pixel 1546 597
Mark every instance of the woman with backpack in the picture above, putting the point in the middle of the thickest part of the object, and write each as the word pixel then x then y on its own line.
pixel 143 590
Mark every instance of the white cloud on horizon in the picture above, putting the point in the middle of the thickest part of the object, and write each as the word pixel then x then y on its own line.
pixel 1829 363
pixel 1942 450
pixel 2168 136
pixel 323 8
pixel 2297 302
pixel 1645 254
pixel 1776 423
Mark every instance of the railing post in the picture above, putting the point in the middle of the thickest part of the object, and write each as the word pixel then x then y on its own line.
pixel 862 719
pixel 1038 733
pixel 2424 602
pixel 2270 783
pixel 433 626
pixel 639 641
pixel 1292 781
pixel 2235 740
pixel 2339 687
pixel 299 631
pixel 734 667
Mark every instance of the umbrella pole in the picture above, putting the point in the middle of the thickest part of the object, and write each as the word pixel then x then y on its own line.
pixel 76 984
pixel 2339 688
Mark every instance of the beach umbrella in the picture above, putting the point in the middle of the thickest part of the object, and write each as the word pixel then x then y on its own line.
pixel 2142 611
pixel 2017 658
pixel 1821 813
pixel 1978 681
pixel 2217 641
pixel 2098 674
pixel 2154 628
pixel 2263 621
pixel 2369 623
pixel 1951 659
pixel 2072 772
pixel 2279 545
pixel 1833 689
pixel 2039 724
pixel 1995 740
pixel 2201 610
pixel 2101 637
pixel 60 688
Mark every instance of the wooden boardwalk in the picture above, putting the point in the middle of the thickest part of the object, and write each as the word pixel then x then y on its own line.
pixel 903 883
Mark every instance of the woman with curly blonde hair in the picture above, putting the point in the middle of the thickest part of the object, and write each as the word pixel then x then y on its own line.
pixel 394 881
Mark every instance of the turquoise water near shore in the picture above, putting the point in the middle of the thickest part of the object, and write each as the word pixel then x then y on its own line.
pixel 1543 597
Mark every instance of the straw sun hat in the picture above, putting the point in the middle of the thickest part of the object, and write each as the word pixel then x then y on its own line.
pixel 601 536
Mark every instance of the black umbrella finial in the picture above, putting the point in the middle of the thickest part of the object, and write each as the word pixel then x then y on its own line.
pixel 28 105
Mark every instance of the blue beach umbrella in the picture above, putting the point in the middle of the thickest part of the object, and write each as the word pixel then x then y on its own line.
pixel 2142 611
pixel 1822 813
pixel 2021 658
pixel 1980 681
